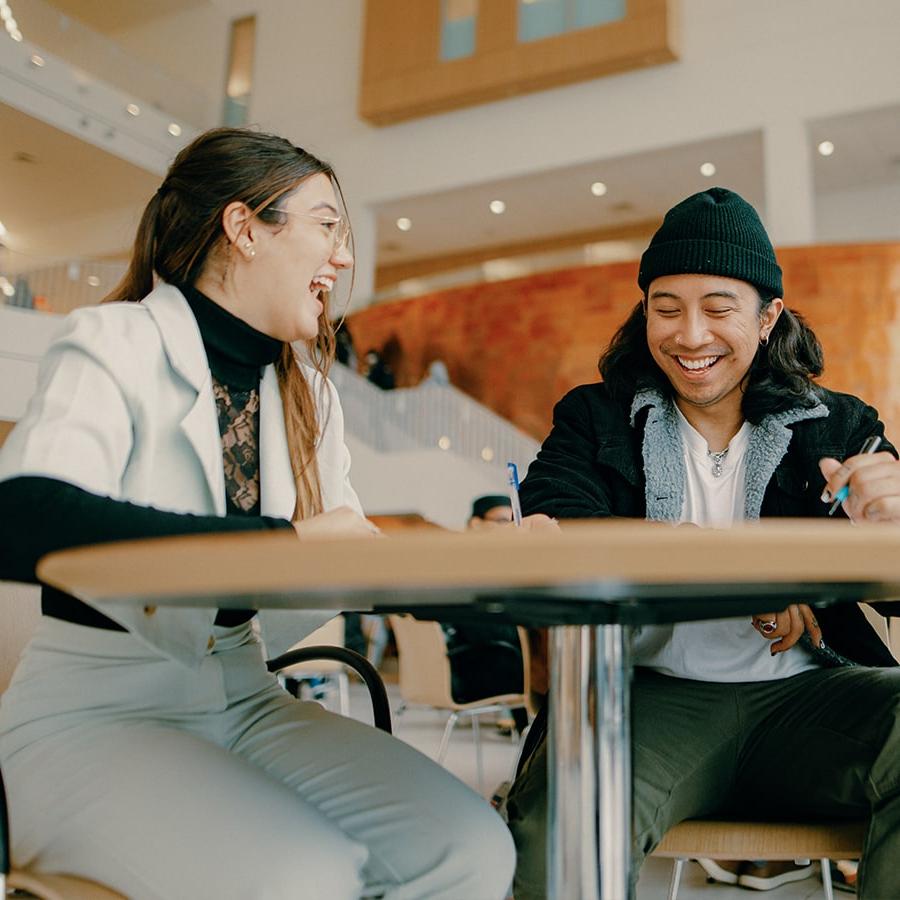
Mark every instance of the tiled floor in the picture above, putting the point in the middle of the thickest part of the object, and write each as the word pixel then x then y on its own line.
pixel 422 728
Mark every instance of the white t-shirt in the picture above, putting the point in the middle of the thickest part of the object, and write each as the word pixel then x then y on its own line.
pixel 729 650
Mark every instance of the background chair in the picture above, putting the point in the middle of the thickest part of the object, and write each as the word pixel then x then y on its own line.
pixel 329 675
pixel 425 679
pixel 19 614
pixel 732 839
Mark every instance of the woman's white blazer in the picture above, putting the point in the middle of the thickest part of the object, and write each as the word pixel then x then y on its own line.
pixel 124 408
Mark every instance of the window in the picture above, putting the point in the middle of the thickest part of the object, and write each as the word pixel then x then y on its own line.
pixel 540 19
pixel 239 84
pixel 458 19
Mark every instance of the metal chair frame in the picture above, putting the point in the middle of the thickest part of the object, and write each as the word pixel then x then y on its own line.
pixel 733 839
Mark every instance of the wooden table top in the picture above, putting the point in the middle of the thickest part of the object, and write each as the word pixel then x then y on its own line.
pixel 600 559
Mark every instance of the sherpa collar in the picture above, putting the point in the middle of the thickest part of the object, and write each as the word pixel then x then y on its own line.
pixel 663 454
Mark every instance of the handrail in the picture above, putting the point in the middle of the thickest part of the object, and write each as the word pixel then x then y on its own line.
pixel 429 416
pixel 381 710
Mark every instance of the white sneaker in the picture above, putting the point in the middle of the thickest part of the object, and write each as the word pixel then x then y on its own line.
pixel 773 874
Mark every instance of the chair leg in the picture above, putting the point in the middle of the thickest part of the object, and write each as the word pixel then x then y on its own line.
pixel 344 693
pixel 479 767
pixel 445 740
pixel 826 879
pixel 675 881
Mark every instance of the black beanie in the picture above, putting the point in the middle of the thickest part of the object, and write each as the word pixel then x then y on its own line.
pixel 715 232
pixel 482 504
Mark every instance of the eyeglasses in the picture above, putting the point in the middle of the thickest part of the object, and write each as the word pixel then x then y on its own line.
pixel 337 226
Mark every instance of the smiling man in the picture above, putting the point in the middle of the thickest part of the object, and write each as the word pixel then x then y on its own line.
pixel 708 415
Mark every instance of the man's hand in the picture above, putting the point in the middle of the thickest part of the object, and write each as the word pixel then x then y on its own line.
pixel 536 522
pixel 784 629
pixel 874 483
pixel 540 522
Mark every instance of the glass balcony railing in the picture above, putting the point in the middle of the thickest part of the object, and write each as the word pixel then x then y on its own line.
pixel 53 285
pixel 101 58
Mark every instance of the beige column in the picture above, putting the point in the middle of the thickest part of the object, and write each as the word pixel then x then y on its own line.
pixel 788 181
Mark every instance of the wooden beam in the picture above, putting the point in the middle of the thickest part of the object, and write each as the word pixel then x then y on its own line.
pixel 392 273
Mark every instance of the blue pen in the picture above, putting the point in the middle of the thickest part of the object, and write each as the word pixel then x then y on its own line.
pixel 873 442
pixel 512 479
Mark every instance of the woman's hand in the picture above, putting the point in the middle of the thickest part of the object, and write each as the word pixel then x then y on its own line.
pixel 874 483
pixel 339 522
pixel 784 629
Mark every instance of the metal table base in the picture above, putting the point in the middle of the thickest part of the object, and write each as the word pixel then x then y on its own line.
pixel 589 762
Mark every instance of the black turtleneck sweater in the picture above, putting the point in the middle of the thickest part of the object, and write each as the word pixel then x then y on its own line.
pixel 40 515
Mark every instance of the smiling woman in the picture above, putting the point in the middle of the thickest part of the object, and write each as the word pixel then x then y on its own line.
pixel 185 408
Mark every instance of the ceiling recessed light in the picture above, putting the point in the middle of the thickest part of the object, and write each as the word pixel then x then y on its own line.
pixel 497 207
pixel 7 287
pixel 598 188
pixel 174 129
pixel 404 224
pixel 487 454
pixel 133 109
pixel 707 170
pixel 826 148
pixel 37 61
pixel 93 281
pixel 444 442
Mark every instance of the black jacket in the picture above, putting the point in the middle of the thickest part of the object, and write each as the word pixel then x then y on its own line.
pixel 590 466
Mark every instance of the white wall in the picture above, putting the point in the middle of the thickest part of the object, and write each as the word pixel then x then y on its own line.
pixel 433 483
pixel 24 336
pixel 191 46
pixel 870 213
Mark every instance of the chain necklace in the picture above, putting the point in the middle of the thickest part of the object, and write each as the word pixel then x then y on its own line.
pixel 718 459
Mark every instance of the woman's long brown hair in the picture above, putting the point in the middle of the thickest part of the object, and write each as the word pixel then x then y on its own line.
pixel 182 225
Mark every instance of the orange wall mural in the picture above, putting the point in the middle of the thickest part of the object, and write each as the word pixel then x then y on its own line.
pixel 517 346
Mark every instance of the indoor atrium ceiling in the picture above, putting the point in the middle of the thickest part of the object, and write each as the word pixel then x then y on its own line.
pixel 108 16
pixel 52 186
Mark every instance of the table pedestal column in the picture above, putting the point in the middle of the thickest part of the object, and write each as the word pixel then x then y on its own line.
pixel 571 801
pixel 589 762
pixel 613 744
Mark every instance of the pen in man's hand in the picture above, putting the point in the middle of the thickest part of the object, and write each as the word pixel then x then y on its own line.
pixel 873 442
pixel 512 479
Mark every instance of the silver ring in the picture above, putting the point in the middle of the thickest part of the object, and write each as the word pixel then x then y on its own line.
pixel 768 626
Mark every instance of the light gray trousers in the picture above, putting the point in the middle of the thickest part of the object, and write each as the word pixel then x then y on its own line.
pixel 167 783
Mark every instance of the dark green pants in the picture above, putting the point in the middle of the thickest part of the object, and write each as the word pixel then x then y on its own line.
pixel 824 743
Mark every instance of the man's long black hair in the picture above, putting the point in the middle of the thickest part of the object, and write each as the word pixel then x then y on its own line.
pixel 780 376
